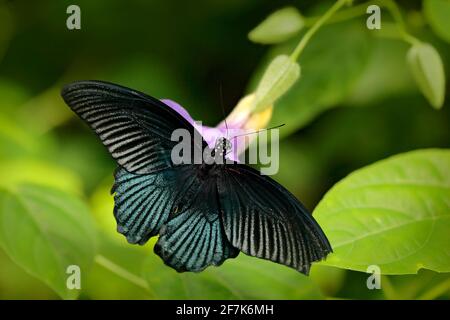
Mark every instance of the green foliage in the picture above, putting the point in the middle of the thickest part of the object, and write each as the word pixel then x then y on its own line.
pixel 428 71
pixel 115 274
pixel 437 13
pixel 55 177
pixel 279 76
pixel 331 65
pixel 394 214
pixel 329 279
pixel 376 83
pixel 45 231
pixel 278 27
pixel 14 140
pixel 241 278
pixel 38 172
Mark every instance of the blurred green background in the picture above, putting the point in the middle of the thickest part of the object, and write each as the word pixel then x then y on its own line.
pixel 356 103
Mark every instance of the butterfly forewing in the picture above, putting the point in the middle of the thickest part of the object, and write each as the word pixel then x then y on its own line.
pixel 135 128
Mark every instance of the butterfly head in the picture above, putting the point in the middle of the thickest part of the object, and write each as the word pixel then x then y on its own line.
pixel 222 146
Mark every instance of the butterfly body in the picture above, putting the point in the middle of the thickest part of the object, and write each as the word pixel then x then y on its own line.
pixel 204 213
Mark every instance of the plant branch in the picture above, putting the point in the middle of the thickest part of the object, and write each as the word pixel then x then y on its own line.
pixel 316 26
pixel 360 10
pixel 396 14
pixel 343 15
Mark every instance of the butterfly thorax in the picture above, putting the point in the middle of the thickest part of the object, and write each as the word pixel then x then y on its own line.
pixel 221 148
pixel 214 165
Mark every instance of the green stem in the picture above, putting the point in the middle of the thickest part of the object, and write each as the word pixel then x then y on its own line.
pixel 343 15
pixel 121 272
pixel 316 26
pixel 396 14
pixel 360 10
pixel 436 291
pixel 409 38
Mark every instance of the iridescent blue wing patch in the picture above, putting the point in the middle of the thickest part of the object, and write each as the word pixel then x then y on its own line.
pixel 193 238
pixel 142 203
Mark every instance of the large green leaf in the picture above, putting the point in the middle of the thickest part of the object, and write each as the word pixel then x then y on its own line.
pixel 423 285
pixel 437 13
pixel 115 275
pixel 17 284
pixel 39 172
pixel 394 214
pixel 331 65
pixel 44 231
pixel 241 278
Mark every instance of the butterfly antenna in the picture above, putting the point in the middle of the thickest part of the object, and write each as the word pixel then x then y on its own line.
pixel 267 129
pixel 223 109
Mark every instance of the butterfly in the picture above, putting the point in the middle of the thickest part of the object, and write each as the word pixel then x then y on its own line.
pixel 203 213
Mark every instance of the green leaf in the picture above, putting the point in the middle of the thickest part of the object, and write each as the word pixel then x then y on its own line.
pixel 420 285
pixel 277 27
pixel 331 65
pixel 17 284
pixel 279 76
pixel 394 214
pixel 122 280
pixel 329 279
pixel 437 12
pixel 428 71
pixel 38 172
pixel 241 278
pixel 44 231
pixel 14 139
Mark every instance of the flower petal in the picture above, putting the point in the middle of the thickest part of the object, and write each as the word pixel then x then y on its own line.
pixel 241 121
pixel 179 109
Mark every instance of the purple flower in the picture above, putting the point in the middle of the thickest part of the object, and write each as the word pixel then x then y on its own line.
pixel 240 121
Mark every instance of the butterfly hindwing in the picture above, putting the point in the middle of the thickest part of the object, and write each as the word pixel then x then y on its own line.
pixel 262 219
pixel 135 128
pixel 193 238
pixel 142 203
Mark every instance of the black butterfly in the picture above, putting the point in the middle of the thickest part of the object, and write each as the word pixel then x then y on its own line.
pixel 203 213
